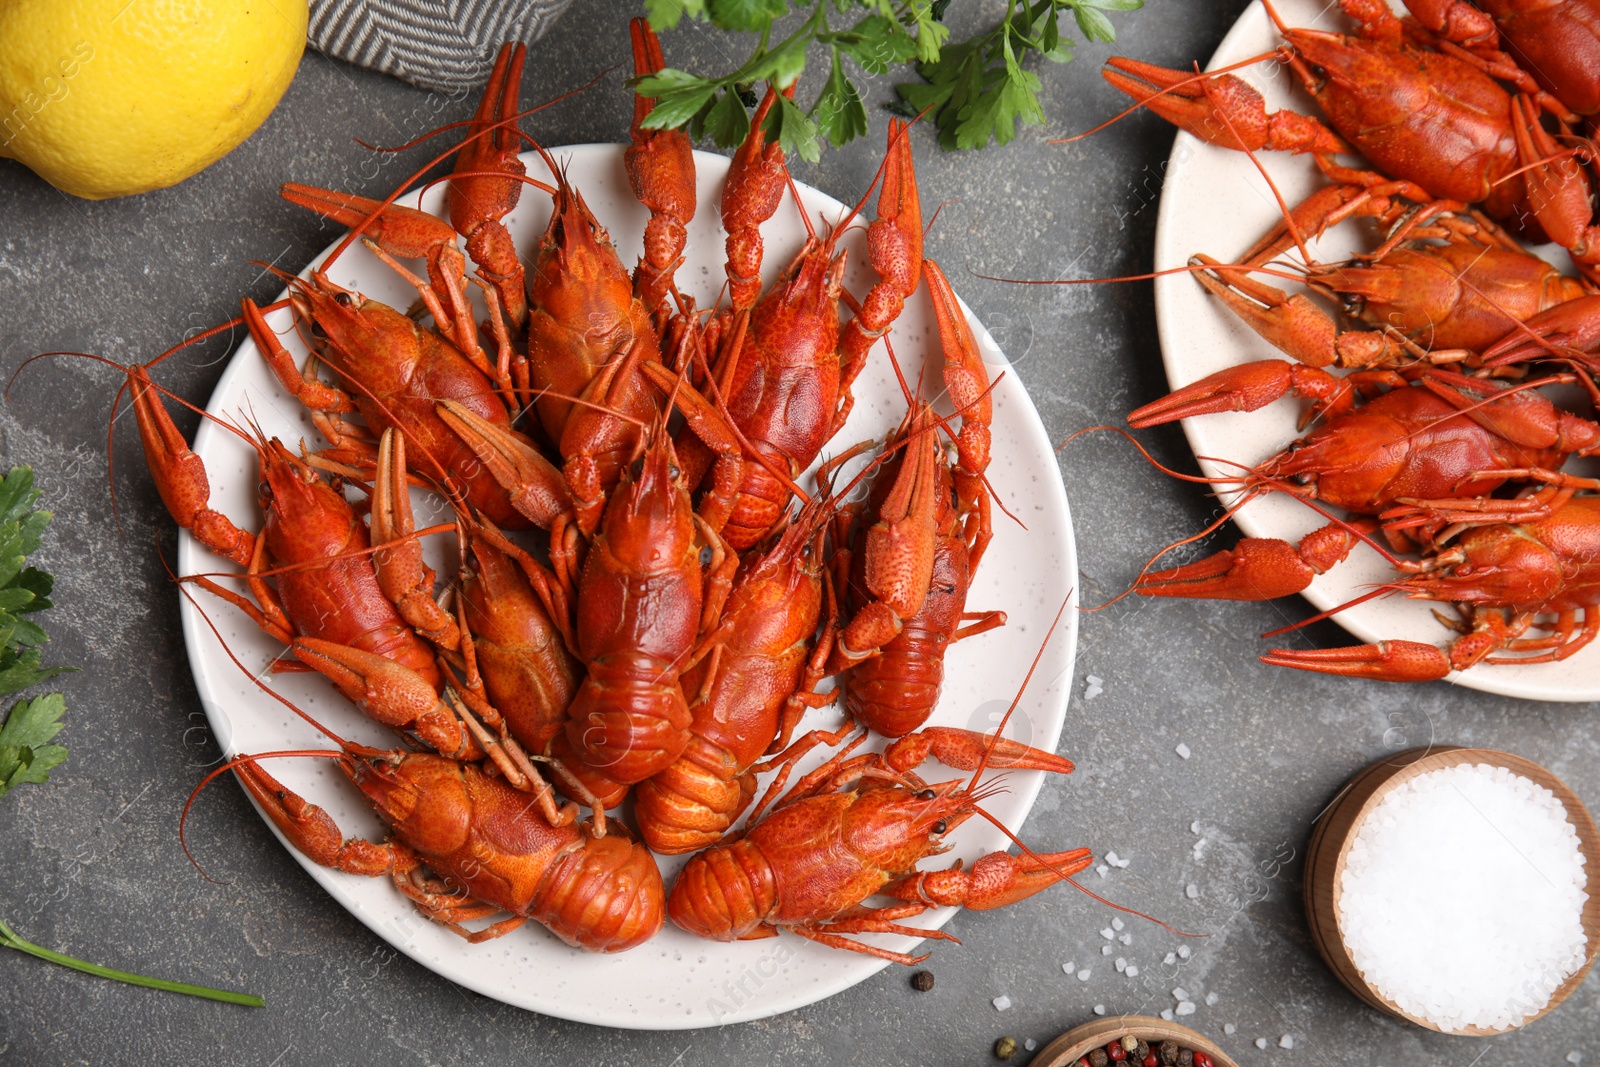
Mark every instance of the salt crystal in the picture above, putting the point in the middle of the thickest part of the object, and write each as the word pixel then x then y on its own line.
pixel 1462 897
pixel 1083 975
pixel 1099 1009
pixel 1101 870
pixel 1229 1029
pixel 1069 967
pixel 1105 950
pixel 1001 1003
pixel 1194 827
pixel 1191 891
pixel 1199 849
pixel 1117 924
pixel 1126 939
pixel 1179 993
pixel 1170 958
pixel 1092 687
pixel 1166 1013
pixel 1030 1044
pixel 1133 972
pixel 1094 679
pixel 1212 998
pixel 1108 933
pixel 1574 1057
pixel 1286 1041
pixel 1122 965
pixel 1182 750
pixel 1185 1007
pixel 1261 1042
pixel 1184 952
pixel 1116 861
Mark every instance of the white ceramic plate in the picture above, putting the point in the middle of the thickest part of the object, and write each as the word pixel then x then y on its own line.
pixel 675 981
pixel 1215 201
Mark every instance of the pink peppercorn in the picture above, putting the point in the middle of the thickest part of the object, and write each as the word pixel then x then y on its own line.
pixel 1116 1051
pixel 1151 1061
pixel 1202 1060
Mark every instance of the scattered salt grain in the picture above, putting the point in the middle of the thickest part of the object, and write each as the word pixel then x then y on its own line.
pixel 1179 993
pixel 1194 827
pixel 1093 687
pixel 1083 975
pixel 1108 933
pixel 1118 862
pixel 1462 897
pixel 1184 952
pixel 1185 1007
pixel 1286 1041
pixel 1191 891
pixel 1117 924
pixel 1105 950
pixel 1574 1057
pixel 1126 939
pixel 1132 972
pixel 1099 1009
pixel 1199 849
pixel 1030 1044
pixel 1212 998
pixel 1069 967
pixel 1101 870
pixel 1166 1013
pixel 1122 965
pixel 1182 750
pixel 1261 1042
pixel 1001 1003
pixel 1229 1029
pixel 1170 959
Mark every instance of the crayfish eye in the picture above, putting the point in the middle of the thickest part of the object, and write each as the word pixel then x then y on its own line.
pixel 317 330
pixel 705 555
pixel 377 763
pixel 672 471
pixel 927 794
pixel 342 299
pixel 264 490
pixel 938 828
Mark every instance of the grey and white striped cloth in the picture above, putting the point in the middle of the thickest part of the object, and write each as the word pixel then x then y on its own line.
pixel 445 45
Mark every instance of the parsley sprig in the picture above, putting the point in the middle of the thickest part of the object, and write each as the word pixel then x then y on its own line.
pixel 976 90
pixel 26 754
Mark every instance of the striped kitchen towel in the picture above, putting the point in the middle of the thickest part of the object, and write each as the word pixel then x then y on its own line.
pixel 446 45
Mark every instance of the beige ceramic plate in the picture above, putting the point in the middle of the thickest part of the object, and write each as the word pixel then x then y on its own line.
pixel 1215 201
pixel 675 981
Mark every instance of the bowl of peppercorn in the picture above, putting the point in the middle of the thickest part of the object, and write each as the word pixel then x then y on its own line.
pixel 1131 1041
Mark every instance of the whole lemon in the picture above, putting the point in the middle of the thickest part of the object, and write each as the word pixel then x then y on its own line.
pixel 110 97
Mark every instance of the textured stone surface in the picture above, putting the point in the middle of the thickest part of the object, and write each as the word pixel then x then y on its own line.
pixel 92 861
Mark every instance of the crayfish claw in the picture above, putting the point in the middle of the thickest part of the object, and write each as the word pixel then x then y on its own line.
pixel 1386 661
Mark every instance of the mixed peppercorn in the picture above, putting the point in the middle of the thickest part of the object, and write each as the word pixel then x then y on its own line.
pixel 1132 1050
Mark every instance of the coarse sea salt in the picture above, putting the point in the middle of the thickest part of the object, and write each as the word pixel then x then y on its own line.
pixel 1462 897
pixel 1001 1003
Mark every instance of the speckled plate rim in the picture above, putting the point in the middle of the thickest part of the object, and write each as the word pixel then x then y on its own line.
pixel 1037 569
pixel 1215 201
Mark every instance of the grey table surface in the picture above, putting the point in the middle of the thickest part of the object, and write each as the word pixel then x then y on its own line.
pixel 92 864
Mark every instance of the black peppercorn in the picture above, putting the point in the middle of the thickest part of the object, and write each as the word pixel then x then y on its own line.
pixel 922 981
pixel 1140 1052
pixel 1169 1053
pixel 1185 1058
pixel 1098 1057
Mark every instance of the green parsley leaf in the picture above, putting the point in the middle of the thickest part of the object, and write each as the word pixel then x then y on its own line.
pixel 25 755
pixel 977 90
pixel 753 16
pixel 839 112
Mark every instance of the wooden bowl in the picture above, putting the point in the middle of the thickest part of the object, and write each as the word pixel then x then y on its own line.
pixel 1066 1050
pixel 1335 829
